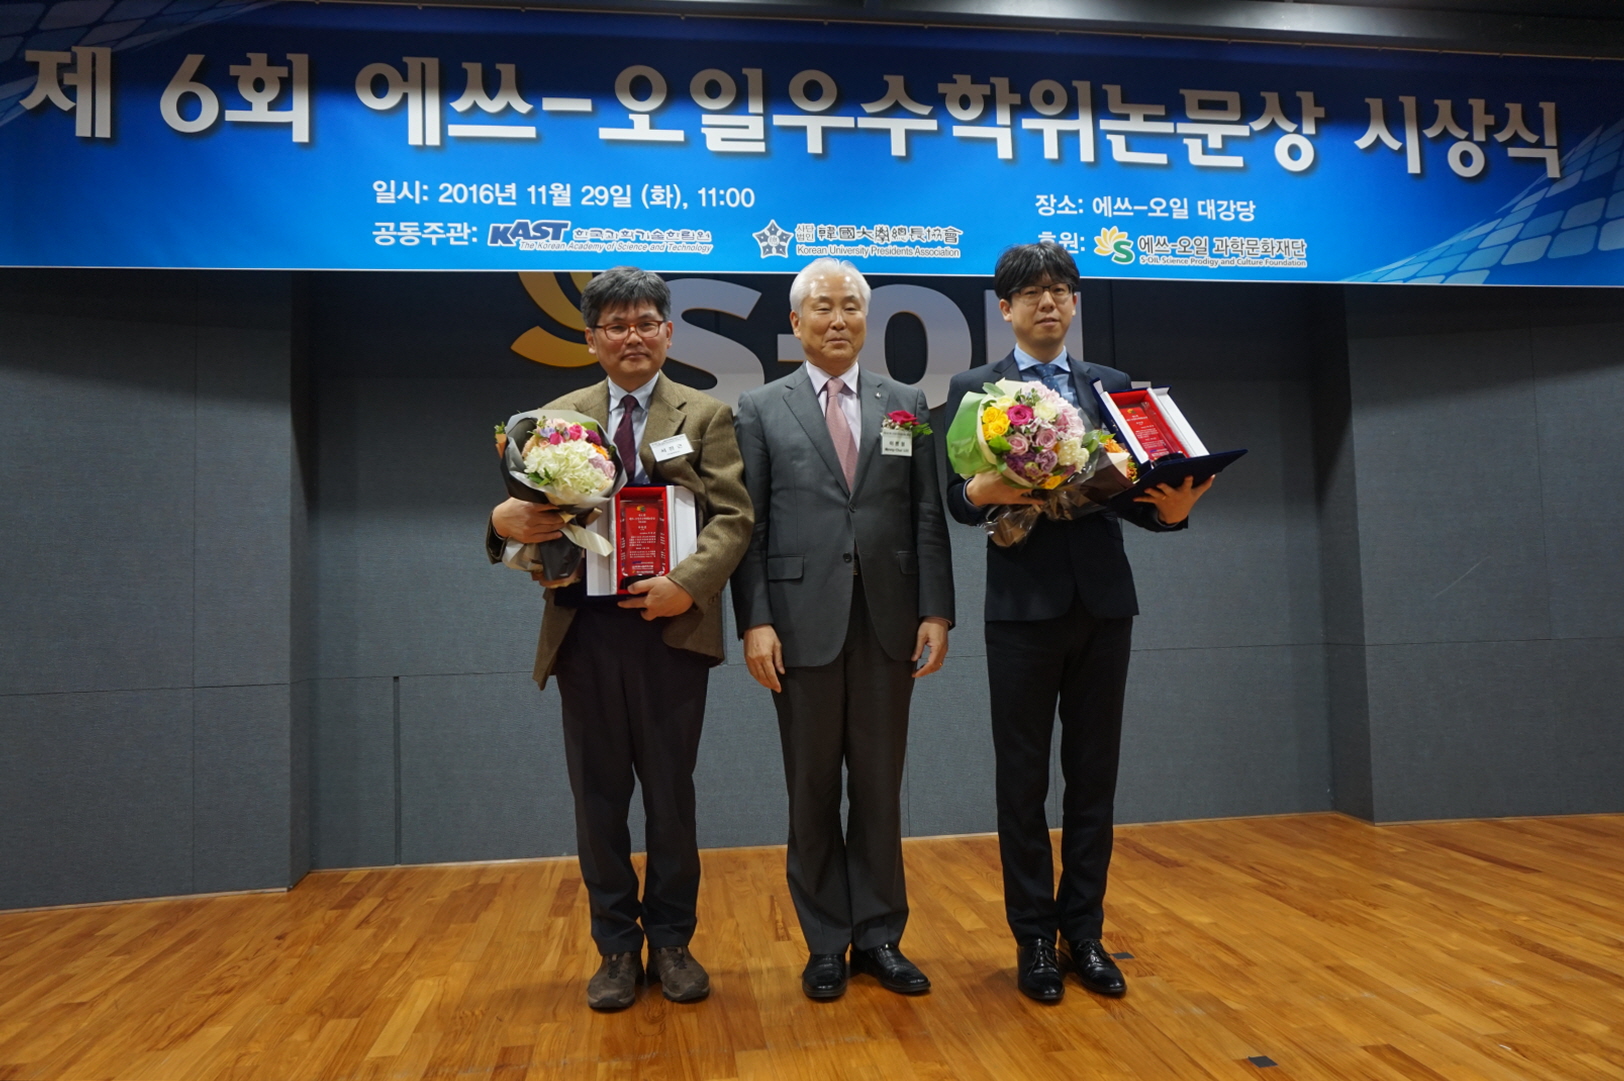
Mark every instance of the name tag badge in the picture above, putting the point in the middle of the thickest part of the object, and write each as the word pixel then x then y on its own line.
pixel 675 447
pixel 896 443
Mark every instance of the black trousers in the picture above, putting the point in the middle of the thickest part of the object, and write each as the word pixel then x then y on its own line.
pixel 848 888
pixel 633 704
pixel 1083 663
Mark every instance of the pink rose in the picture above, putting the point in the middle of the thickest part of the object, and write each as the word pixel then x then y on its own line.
pixel 1018 443
pixel 555 437
pixel 1045 437
pixel 1019 414
pixel 576 431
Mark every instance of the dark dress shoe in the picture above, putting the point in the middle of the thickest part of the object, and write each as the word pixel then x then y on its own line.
pixel 1037 971
pixel 614 985
pixel 1094 967
pixel 824 976
pixel 894 971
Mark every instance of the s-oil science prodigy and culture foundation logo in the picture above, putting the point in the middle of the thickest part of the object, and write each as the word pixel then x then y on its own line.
pixel 1200 251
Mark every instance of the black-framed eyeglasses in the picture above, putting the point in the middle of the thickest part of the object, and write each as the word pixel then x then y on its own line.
pixel 1032 294
pixel 618 332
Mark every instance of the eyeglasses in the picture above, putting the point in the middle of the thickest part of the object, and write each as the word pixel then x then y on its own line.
pixel 1060 291
pixel 618 332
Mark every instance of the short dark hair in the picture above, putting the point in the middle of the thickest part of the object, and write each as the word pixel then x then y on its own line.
pixel 621 286
pixel 1031 264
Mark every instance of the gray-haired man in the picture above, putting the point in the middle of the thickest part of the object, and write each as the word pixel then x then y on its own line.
pixel 846 585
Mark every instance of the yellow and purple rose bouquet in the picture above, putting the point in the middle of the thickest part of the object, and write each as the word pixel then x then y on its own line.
pixel 1033 438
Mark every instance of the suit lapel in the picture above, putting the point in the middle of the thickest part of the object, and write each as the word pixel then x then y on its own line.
pixel 803 403
pixel 871 408
pixel 595 404
pixel 665 419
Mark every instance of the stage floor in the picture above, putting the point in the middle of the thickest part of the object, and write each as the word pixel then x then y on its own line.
pixel 1334 949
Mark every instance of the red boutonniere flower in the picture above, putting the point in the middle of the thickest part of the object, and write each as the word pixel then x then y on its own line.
pixel 900 420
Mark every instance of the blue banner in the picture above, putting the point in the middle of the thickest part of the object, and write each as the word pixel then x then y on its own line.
pixel 372 138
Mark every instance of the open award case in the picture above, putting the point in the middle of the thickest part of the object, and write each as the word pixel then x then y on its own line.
pixel 1165 448
pixel 650 530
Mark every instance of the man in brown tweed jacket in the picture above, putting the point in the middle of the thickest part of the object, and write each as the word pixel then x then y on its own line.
pixel 632 674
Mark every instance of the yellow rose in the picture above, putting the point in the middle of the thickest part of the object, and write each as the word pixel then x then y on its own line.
pixel 994 422
pixel 1052 482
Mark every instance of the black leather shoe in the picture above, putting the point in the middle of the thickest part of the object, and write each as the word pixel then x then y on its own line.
pixel 1094 967
pixel 824 976
pixel 1037 971
pixel 894 971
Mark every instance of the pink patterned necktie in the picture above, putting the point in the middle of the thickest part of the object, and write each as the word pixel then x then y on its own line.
pixel 840 431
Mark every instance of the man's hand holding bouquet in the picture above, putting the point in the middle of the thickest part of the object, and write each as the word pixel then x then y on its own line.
pixel 1037 442
pixel 559 458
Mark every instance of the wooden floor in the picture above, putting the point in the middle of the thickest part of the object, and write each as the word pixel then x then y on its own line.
pixel 1469 950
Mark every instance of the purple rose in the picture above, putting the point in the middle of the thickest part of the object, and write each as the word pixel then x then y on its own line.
pixel 1018 443
pixel 1045 460
pixel 1045 437
pixel 1015 460
pixel 1019 414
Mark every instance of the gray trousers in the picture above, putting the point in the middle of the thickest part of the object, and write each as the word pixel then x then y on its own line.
pixel 848 888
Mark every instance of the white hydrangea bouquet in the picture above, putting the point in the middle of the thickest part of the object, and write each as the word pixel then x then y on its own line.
pixel 561 458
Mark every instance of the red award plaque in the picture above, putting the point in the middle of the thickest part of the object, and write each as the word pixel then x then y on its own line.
pixel 1149 425
pixel 642 544
pixel 1163 445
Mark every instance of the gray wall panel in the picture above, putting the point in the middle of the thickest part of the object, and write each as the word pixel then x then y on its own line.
pixel 242 792
pixel 95 796
pixel 1586 684
pixel 98 594
pixel 1347 709
pixel 950 764
pixel 1466 729
pixel 401 531
pixel 1244 572
pixel 1579 403
pixel 1219 732
pixel 739 781
pixel 481 770
pixel 242 567
pixel 1468 565
pixel 352 772
pixel 969 545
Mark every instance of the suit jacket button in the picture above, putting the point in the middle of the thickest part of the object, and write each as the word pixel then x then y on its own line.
pixel 846 556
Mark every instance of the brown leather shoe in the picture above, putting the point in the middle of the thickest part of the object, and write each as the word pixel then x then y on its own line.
pixel 681 978
pixel 614 985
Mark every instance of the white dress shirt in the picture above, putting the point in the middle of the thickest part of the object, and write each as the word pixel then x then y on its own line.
pixel 639 421
pixel 848 397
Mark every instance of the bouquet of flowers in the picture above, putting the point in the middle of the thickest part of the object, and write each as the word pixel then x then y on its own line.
pixel 1033 438
pixel 561 458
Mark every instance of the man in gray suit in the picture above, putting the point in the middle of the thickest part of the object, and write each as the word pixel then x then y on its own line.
pixel 846 585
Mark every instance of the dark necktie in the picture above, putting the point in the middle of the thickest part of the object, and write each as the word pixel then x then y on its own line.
pixel 1058 380
pixel 626 438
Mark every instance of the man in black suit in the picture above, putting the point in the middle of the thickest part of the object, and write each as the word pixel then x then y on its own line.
pixel 1059 620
